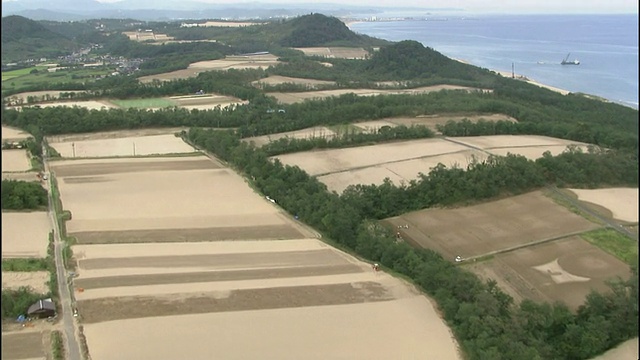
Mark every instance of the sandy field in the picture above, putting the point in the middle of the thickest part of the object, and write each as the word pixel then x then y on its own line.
pixel 125 146
pixel 296 97
pixel 489 227
pixel 26 344
pixel 531 81
pixel 21 176
pixel 563 270
pixel 314 132
pixel 205 102
pixel 628 350
pixel 277 80
pixel 51 94
pixel 114 134
pixel 25 234
pixel 147 36
pixel 15 160
pixel 431 121
pixel 264 292
pixel 401 172
pixel 230 62
pixel 622 202
pixel 116 197
pixel 14 134
pixel 402 162
pixel 36 280
pixel 335 52
pixel 89 104
pixel 330 161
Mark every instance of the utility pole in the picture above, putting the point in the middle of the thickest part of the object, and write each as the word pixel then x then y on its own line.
pixel 73 148
pixel 513 71
pixel 134 148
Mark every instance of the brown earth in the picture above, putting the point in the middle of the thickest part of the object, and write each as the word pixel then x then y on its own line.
pixel 335 52
pixel 240 300
pixel 84 169
pixel 267 232
pixel 488 227
pixel 24 344
pixel 563 270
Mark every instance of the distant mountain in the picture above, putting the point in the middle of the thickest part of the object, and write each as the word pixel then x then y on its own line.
pixel 23 38
pixel 164 10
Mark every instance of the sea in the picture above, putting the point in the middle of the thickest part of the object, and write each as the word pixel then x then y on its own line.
pixel 530 45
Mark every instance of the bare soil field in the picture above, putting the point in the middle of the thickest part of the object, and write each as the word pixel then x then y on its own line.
pixel 296 97
pixel 335 52
pixel 13 134
pixel 172 75
pixel 628 350
pixel 621 202
pixel 402 162
pixel 15 160
pixel 21 176
pixel 336 160
pixel 225 24
pixel 277 80
pixel 36 280
pixel 193 290
pixel 42 95
pixel 204 102
pixel 146 36
pixel 563 270
pixel 114 134
pixel 530 146
pixel 123 146
pixel 88 104
pixel 25 234
pixel 155 194
pixel 488 227
pixel 314 132
pixel 25 344
pixel 401 172
pixel 431 121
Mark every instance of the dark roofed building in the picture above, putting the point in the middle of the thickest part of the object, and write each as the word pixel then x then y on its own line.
pixel 42 308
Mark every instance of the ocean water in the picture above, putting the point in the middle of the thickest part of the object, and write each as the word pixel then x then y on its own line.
pixel 605 45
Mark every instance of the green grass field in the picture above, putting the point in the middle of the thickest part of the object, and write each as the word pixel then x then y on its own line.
pixel 8 75
pixel 614 243
pixel 18 79
pixel 145 103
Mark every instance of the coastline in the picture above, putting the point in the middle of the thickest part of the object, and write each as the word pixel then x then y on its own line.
pixel 523 78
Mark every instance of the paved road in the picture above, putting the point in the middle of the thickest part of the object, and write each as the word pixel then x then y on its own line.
pixel 72 346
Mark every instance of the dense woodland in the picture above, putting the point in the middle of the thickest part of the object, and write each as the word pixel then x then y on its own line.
pixel 23 195
pixel 486 321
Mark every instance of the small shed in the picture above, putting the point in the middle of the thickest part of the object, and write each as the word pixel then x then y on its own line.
pixel 42 309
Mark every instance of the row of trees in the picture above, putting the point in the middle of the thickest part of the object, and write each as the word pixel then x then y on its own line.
pixel 486 321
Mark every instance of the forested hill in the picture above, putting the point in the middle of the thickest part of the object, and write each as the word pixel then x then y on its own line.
pixel 318 30
pixel 23 38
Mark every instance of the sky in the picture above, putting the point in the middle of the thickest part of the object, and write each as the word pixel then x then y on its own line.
pixel 481 6
pixel 507 6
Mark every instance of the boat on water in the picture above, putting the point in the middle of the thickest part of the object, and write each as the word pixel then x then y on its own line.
pixel 566 61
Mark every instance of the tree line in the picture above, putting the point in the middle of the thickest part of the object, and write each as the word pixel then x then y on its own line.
pixel 23 195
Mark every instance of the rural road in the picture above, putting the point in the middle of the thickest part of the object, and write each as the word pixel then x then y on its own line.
pixel 608 222
pixel 72 347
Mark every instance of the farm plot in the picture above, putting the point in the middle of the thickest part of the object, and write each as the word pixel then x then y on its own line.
pixel 621 203
pixel 310 133
pixel 164 199
pixel 563 270
pixel 41 95
pixel 335 52
pixel 530 146
pixel 88 104
pixel 263 292
pixel 15 161
pixel 432 121
pixel 28 344
pixel 25 234
pixel 123 146
pixel 36 280
pixel 277 80
pixel 13 134
pixel 296 97
pixel 204 102
pixel 490 227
